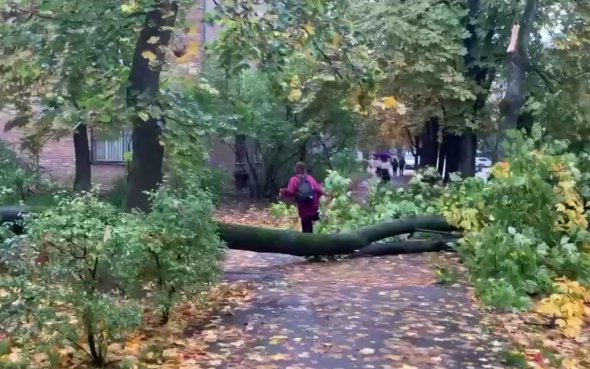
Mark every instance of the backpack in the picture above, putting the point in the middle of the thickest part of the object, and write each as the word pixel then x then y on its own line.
pixel 305 192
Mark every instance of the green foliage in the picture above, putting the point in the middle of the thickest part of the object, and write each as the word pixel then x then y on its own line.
pixel 524 228
pixel 51 62
pixel 18 181
pixel 81 293
pixel 116 195
pixel 283 210
pixel 84 273
pixel 446 276
pixel 341 213
pixel 182 243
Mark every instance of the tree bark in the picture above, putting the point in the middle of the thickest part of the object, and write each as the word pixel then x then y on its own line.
pixel 405 247
pixel 361 242
pixel 239 237
pixel 482 76
pixel 429 143
pixel 442 156
pixel 148 152
pixel 467 152
pixel 453 154
pixel 516 68
pixel 83 176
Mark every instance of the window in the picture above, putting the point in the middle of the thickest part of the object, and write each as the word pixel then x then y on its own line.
pixel 110 150
pixel 258 154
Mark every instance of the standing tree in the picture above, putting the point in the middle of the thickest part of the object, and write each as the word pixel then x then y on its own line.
pixel 63 67
pixel 517 66
pixel 148 59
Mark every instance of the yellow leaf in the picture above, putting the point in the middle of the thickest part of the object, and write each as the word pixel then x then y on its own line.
pixel 276 340
pixel 570 364
pixel 152 40
pixel 277 357
pixel 572 332
pixel 389 102
pixel 295 83
pixel 309 28
pixel 295 94
pixel 143 116
pixel 191 52
pixel 128 8
pixel 337 41
pixel 149 55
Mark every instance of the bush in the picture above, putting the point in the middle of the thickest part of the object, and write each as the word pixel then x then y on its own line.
pixel 182 244
pixel 525 227
pixel 341 213
pixel 116 195
pixel 70 278
pixel 18 181
pixel 85 270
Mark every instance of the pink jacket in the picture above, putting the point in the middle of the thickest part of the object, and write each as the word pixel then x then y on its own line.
pixel 305 210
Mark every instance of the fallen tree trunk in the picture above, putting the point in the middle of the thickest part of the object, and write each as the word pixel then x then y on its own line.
pixel 404 247
pixel 361 241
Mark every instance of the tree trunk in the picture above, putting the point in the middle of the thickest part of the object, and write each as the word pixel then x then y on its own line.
pixel 148 152
pixel 467 152
pixel 83 176
pixel 405 247
pixel 516 67
pixel 429 143
pixel 452 154
pixel 239 237
pixel 442 157
pixel 361 242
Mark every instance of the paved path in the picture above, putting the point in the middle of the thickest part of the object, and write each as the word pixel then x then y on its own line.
pixel 377 313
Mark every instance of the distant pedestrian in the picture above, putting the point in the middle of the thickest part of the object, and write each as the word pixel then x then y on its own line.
pixel 394 166
pixel 307 192
pixel 402 165
pixel 377 166
pixel 385 176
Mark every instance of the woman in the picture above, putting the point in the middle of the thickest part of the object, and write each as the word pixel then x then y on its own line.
pixel 394 166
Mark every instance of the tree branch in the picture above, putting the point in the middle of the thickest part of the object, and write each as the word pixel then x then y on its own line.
pixel 322 53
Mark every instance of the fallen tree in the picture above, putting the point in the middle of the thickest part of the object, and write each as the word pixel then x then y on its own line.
pixel 239 237
pixel 361 242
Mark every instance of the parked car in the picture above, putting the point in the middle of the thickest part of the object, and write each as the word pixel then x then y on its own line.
pixel 482 162
pixel 410 161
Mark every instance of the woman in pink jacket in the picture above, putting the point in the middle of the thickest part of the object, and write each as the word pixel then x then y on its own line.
pixel 307 192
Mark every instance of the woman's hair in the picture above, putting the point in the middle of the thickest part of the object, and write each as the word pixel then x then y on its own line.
pixel 300 167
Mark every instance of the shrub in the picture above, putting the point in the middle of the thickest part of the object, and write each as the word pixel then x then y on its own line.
pixel 83 274
pixel 341 213
pixel 180 240
pixel 523 228
pixel 70 278
pixel 17 180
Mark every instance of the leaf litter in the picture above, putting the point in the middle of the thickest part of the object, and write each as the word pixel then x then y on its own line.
pixel 374 313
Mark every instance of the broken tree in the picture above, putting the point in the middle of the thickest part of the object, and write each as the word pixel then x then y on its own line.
pixel 361 242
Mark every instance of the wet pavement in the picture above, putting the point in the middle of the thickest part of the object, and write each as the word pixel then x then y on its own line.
pixel 384 313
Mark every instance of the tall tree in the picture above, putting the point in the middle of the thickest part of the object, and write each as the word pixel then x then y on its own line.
pixel 517 67
pixel 70 60
pixel 148 59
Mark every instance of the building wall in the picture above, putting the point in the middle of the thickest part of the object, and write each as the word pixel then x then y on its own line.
pixel 57 159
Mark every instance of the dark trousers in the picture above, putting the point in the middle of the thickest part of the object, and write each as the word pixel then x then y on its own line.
pixel 385 177
pixel 307 223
